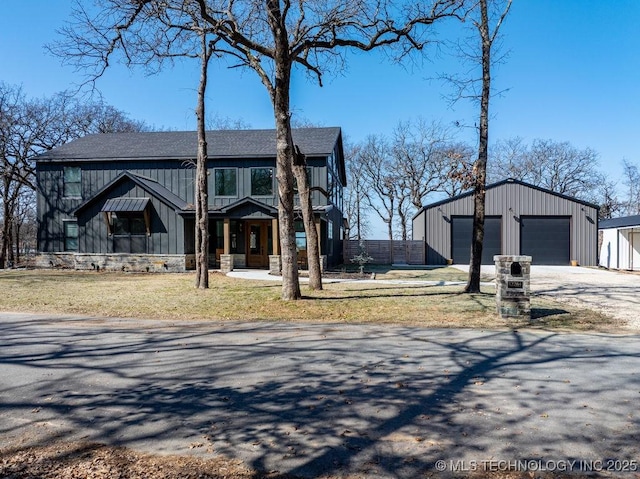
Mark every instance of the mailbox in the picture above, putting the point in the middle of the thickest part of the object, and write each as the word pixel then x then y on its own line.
pixel 513 292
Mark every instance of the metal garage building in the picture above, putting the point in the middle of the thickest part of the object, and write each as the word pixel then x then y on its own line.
pixel 620 243
pixel 520 219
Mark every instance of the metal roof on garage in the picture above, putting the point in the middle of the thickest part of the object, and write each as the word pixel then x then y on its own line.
pixel 128 205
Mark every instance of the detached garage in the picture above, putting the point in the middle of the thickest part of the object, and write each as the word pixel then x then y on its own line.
pixel 521 219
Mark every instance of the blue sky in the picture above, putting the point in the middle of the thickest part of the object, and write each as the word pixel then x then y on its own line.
pixel 573 74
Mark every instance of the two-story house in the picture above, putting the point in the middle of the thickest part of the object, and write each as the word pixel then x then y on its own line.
pixel 125 201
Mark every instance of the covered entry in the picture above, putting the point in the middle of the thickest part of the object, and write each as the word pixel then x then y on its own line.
pixel 462 234
pixel 247 230
pixel 546 239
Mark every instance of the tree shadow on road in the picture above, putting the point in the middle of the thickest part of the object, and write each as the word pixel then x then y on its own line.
pixel 311 400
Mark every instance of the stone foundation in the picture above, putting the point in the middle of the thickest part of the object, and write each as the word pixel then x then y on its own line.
pixel 138 263
pixel 513 286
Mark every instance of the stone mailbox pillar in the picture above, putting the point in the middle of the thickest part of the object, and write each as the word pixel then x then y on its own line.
pixel 513 286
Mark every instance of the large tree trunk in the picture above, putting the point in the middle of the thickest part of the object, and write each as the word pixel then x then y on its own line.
pixel 6 215
pixel 313 249
pixel 16 228
pixel 479 194
pixel 280 95
pixel 202 186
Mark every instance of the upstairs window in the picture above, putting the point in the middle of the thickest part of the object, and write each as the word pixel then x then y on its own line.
pixel 261 181
pixel 226 182
pixel 72 176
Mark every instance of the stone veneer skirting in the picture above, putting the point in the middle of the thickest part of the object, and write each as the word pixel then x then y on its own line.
pixel 139 263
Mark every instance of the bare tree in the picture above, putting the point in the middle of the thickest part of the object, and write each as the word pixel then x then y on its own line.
pixel 486 17
pixel 271 36
pixel 380 176
pixel 507 160
pixel 459 169
pixel 556 166
pixel 631 175
pixel 610 204
pixel 355 195
pixel 149 33
pixel 218 122
pixel 419 149
pixel 421 155
pixel 29 127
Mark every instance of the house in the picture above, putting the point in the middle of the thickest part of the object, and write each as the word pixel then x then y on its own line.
pixel 125 201
pixel 521 219
pixel 620 243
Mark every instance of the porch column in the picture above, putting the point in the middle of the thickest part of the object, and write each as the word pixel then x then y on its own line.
pixel 318 229
pixel 227 236
pixel 275 236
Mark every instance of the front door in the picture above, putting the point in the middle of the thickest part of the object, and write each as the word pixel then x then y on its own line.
pixel 257 235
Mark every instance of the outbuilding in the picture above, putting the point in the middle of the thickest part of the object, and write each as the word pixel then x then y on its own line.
pixel 620 243
pixel 520 219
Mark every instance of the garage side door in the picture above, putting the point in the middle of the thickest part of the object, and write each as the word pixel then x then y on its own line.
pixel 546 240
pixel 462 233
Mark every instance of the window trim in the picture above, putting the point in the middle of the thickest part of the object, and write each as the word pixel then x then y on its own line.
pixel 65 182
pixel 251 170
pixel 215 191
pixel 66 238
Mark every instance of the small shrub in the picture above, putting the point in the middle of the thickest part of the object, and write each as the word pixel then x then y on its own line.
pixel 362 258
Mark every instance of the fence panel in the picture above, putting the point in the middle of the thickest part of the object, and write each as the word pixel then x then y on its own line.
pixel 387 252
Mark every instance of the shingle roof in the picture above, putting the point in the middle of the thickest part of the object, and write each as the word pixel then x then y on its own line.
pixel 623 222
pixel 183 145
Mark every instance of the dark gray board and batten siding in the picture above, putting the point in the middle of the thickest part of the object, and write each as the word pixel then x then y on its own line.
pixel 510 200
pixel 93 235
pixel 164 157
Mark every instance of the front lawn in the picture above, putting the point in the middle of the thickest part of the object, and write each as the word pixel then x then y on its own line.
pixel 172 296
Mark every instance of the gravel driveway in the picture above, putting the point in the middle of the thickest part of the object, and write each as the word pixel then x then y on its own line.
pixel 610 292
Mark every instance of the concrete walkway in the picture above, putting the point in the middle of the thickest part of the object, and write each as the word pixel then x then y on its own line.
pixel 314 399
pixel 263 275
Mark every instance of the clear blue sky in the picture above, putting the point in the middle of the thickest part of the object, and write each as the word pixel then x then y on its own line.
pixel 573 74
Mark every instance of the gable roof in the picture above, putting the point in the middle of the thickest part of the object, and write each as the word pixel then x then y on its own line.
pixel 623 222
pixel 183 145
pixel 501 183
pixel 149 185
pixel 248 201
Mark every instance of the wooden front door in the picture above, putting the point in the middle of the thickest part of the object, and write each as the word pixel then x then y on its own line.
pixel 257 244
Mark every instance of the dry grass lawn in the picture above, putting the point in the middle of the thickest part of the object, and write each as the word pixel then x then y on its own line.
pixel 172 296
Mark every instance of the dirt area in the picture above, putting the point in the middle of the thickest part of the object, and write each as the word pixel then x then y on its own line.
pixel 95 461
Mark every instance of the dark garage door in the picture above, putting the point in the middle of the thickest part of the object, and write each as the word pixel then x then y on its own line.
pixel 461 234
pixel 546 240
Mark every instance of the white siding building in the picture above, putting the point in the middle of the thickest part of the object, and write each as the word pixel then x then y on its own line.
pixel 620 243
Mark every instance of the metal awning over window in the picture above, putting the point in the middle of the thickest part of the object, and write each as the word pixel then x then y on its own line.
pixel 129 205
pixel 123 209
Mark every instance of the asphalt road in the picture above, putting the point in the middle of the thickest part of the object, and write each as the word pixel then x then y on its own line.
pixel 313 399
